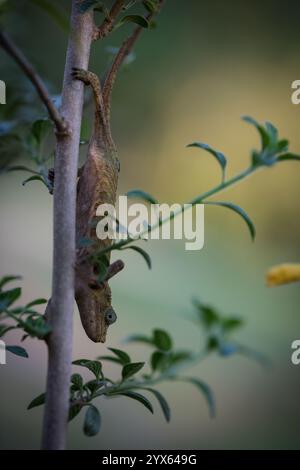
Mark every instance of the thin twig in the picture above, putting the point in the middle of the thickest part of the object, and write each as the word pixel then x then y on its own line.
pixel 10 47
pixel 123 52
pixel 106 27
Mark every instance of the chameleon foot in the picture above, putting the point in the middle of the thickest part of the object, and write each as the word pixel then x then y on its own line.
pixel 88 78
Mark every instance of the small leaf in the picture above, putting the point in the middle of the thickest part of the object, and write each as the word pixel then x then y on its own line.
pixel 282 146
pixel 138 193
pixel 207 314
pixel 111 359
pixel 265 139
pixel 137 19
pixel 180 356
pixel 140 339
pixel 218 155
pixel 40 400
pixel 40 129
pixel 4 280
pixel 17 350
pixel 34 178
pixel 162 340
pixel 138 397
pixel 74 410
pixel 36 302
pixel 159 360
pixel 5 328
pixel 130 369
pixel 162 401
pixel 92 421
pixel 142 252
pixel 122 355
pixel 9 297
pixel 94 385
pixel 93 366
pixel 207 392
pixel 77 380
pixel 150 5
pixel 239 211
pixel 229 324
pixel 288 156
pixel 273 134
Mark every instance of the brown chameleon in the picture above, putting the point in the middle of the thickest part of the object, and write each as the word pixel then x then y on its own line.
pixel 97 184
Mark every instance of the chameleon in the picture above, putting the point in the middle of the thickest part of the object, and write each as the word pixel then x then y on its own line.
pixel 97 184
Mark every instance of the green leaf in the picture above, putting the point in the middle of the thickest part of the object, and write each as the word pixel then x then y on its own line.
pixel 239 211
pixel 34 178
pixel 288 156
pixel 218 155
pixel 265 138
pixel 40 129
pixel 77 380
pixel 162 340
pixel 123 357
pixel 74 410
pixel 229 324
pixel 92 421
pixel 137 19
pixel 111 359
pixel 180 356
pixel 54 12
pixel 142 252
pixel 159 360
pixel 140 339
pixel 93 366
pixel 5 328
pixel 138 397
pixel 94 385
pixel 130 369
pixel 40 400
pixel 36 302
pixel 17 350
pixel 9 297
pixel 205 390
pixel 140 194
pixel 272 133
pixel 4 280
pixel 150 5
pixel 162 401
pixel 207 314
pixel 36 327
pixel 282 146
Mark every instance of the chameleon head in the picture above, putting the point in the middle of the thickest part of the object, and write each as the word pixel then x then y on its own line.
pixel 96 311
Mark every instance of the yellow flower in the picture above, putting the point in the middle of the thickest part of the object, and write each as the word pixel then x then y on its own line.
pixel 283 274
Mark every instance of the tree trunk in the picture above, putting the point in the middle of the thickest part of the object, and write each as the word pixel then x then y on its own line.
pixel 62 298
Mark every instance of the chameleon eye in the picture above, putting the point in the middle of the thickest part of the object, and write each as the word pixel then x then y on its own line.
pixel 110 316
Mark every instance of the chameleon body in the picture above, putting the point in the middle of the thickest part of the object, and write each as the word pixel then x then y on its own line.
pixel 97 184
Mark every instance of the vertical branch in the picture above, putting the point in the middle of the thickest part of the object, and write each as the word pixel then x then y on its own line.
pixel 62 299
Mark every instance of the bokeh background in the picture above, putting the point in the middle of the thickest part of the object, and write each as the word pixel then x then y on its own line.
pixel 205 65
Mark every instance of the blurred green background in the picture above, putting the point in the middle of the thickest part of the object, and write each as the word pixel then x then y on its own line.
pixel 206 64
